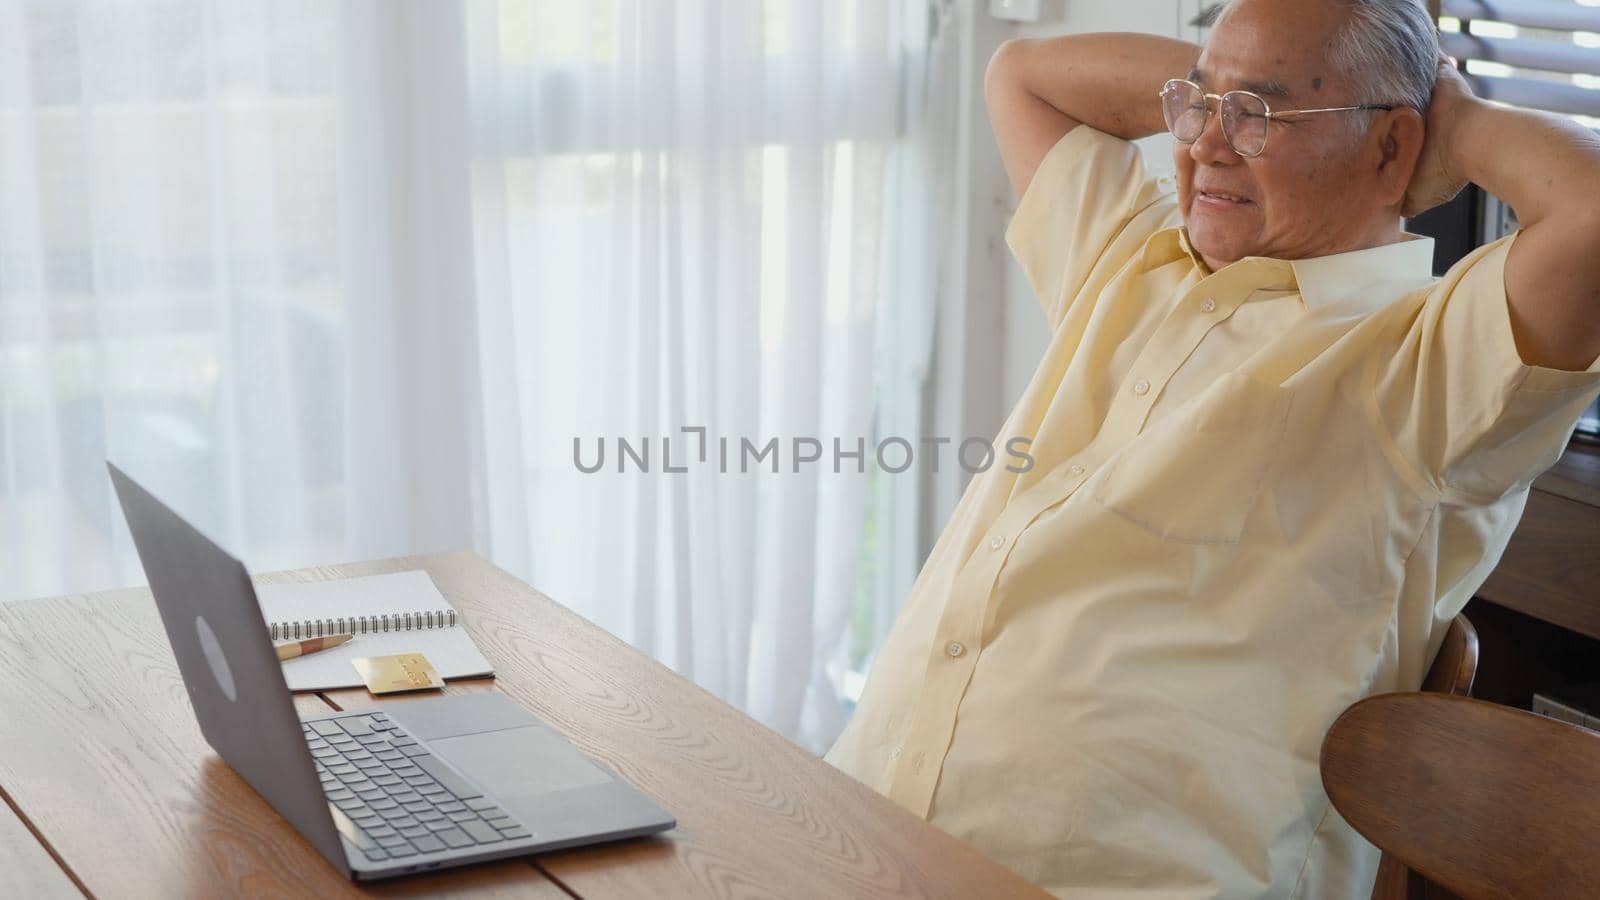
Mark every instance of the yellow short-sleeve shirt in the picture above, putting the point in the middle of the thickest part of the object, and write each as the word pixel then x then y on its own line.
pixel 1258 496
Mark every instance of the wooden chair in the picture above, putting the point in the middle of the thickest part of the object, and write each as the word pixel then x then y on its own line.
pixel 1467 799
pixel 1457 661
pixel 1453 670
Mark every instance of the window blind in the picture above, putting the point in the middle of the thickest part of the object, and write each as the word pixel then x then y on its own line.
pixel 1541 54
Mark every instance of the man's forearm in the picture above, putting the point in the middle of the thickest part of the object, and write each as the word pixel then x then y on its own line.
pixel 1106 81
pixel 1541 164
pixel 1548 170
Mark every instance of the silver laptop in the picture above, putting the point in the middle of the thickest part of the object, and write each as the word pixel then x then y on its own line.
pixel 421 784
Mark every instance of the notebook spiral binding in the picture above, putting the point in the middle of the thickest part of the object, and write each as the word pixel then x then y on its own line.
pixel 314 628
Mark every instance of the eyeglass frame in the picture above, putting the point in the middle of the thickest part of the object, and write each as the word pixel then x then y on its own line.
pixel 1269 115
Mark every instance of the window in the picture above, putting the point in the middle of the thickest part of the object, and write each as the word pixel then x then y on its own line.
pixel 1539 54
pixel 169 256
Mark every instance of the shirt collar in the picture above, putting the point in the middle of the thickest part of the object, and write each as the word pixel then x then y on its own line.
pixel 1343 278
pixel 1340 279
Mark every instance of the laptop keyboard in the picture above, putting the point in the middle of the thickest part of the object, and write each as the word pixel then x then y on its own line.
pixel 399 798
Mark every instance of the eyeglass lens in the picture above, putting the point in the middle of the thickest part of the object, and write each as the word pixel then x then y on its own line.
pixel 1244 117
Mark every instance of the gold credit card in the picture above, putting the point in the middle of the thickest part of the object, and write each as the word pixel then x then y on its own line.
pixel 401 672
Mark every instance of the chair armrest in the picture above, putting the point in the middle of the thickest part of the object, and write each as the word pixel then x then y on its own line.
pixel 1477 797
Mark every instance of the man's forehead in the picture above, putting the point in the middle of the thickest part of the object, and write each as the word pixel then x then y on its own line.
pixel 1266 86
pixel 1275 49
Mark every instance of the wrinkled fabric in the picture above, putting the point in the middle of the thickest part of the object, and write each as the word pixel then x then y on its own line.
pixel 1258 496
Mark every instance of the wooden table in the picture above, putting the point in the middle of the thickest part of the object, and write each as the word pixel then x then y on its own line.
pixel 110 790
pixel 1538 614
pixel 1551 568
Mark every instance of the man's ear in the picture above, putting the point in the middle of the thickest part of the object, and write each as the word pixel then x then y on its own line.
pixel 1398 134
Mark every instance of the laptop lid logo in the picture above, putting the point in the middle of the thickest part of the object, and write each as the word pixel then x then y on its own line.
pixel 212 649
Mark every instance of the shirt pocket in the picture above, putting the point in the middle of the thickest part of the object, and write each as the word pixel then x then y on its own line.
pixel 1194 476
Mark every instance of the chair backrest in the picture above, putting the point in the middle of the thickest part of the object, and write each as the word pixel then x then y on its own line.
pixel 1480 800
pixel 1457 661
pixel 1467 799
pixel 1452 672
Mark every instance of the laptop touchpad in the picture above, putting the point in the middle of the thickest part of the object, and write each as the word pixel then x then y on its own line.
pixel 519 763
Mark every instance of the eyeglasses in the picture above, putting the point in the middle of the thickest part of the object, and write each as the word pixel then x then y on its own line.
pixel 1245 115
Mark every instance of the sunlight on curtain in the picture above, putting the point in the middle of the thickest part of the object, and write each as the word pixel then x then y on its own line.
pixel 343 281
pixel 234 258
pixel 683 221
pixel 169 280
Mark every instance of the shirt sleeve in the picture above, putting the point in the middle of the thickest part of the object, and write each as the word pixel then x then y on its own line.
pixel 1465 411
pixel 1088 190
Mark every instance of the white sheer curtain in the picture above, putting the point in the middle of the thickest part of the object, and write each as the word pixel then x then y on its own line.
pixel 228 263
pixel 693 215
pixel 348 280
pixel 169 279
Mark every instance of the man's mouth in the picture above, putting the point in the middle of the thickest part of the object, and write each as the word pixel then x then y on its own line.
pixel 1225 197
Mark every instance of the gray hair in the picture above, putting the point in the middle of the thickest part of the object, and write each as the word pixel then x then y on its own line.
pixel 1388 48
pixel 1390 51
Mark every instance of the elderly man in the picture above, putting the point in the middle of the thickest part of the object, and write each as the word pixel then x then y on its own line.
pixel 1274 456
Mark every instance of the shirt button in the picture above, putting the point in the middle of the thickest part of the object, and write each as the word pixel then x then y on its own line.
pixel 996 542
pixel 955 649
pixel 895 753
pixel 1076 469
pixel 1141 387
pixel 1209 305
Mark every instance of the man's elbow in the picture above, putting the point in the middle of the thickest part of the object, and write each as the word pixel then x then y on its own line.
pixel 1004 71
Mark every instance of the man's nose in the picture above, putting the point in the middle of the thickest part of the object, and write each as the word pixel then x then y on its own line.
pixel 1211 147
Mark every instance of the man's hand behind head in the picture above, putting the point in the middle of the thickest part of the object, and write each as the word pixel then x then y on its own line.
pixel 1434 181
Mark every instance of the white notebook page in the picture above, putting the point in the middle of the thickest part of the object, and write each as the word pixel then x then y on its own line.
pixel 450 649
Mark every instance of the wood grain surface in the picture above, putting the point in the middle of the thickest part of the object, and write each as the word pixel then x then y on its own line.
pixel 1455 665
pixel 1485 800
pixel 1576 475
pixel 26 867
pixel 757 815
pixel 1454 669
pixel 1551 565
pixel 103 755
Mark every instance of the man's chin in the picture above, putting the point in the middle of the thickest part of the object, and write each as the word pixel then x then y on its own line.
pixel 1216 253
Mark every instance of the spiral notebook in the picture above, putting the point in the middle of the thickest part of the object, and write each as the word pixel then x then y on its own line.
pixel 398 612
